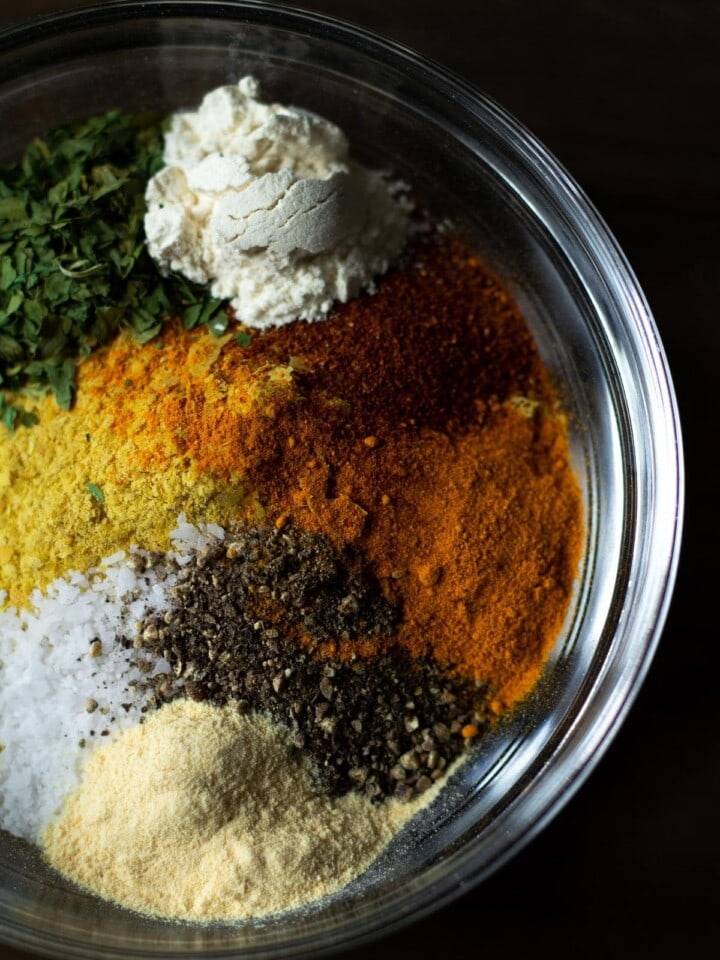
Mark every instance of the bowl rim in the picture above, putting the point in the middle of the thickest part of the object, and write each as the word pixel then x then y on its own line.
pixel 579 219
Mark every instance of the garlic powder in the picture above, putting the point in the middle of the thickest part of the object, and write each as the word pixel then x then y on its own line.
pixel 262 202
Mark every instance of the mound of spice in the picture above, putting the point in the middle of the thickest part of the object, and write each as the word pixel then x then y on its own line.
pixel 204 814
pixel 201 812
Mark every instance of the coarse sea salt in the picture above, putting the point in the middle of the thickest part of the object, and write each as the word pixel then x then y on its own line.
pixel 49 678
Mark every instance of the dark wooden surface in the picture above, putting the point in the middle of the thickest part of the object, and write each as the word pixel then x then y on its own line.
pixel 625 93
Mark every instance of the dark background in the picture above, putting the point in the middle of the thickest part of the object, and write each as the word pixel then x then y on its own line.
pixel 626 93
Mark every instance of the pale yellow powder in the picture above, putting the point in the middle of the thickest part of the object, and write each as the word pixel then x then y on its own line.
pixel 201 813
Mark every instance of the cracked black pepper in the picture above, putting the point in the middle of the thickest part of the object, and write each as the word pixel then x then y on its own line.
pixel 244 621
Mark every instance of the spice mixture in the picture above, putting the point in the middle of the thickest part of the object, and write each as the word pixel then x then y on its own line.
pixel 273 581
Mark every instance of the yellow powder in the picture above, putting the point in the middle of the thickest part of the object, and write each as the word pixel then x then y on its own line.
pixel 203 814
pixel 52 523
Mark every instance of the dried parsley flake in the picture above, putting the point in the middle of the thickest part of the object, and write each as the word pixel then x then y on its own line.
pixel 96 492
pixel 73 264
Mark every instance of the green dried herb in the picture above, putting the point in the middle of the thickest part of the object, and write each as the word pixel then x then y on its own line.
pixel 95 491
pixel 13 416
pixel 73 265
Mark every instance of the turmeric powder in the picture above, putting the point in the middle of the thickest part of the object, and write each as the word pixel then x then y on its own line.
pixel 417 425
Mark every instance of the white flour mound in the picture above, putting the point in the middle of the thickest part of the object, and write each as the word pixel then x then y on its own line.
pixel 263 202
pixel 48 675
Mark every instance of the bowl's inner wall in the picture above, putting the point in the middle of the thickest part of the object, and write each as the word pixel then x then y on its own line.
pixel 393 122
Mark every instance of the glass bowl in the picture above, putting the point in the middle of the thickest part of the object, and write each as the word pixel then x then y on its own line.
pixel 467 160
